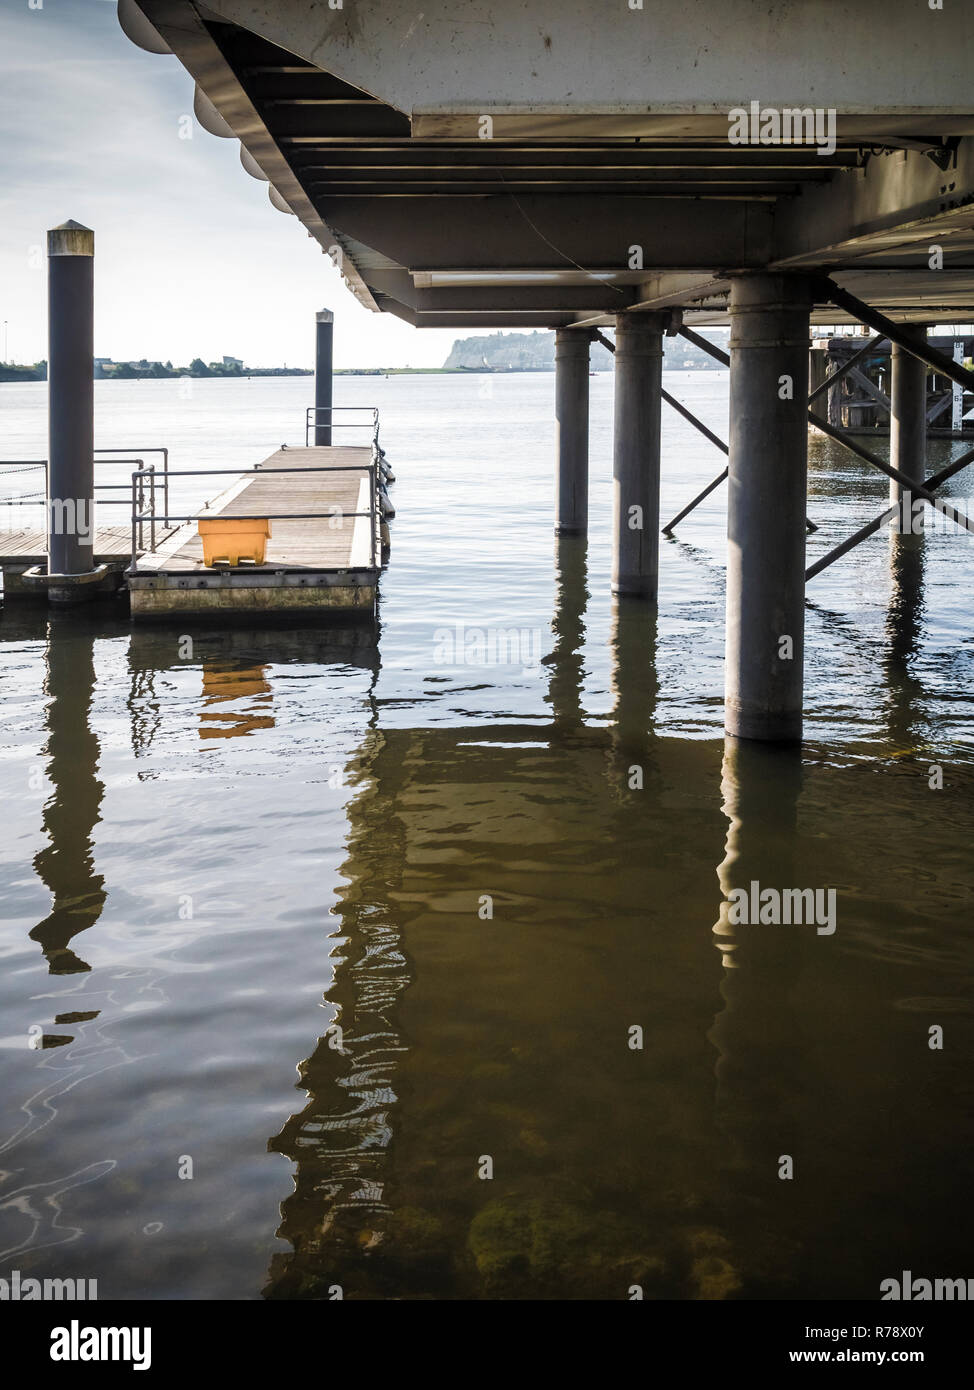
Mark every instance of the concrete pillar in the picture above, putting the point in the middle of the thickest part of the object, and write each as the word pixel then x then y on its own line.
pixel 324 334
pixel 907 423
pixel 71 399
pixel 636 453
pixel 766 507
pixel 571 430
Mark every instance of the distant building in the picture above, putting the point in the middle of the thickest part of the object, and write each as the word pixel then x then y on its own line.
pixel 233 361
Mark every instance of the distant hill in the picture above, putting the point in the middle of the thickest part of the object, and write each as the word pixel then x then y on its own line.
pixel 535 352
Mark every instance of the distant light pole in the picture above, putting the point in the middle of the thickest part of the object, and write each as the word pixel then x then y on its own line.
pixel 5 342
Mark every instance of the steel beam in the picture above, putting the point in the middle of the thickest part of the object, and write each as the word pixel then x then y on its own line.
pixel 830 380
pixel 554 232
pixel 871 527
pixel 891 471
pixel 899 335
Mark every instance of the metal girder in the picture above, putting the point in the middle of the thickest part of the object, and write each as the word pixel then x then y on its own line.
pixel 845 367
pixel 688 415
pixel 870 389
pixel 549 233
pixel 496 319
pixel 487 299
pixel 907 483
pixel 704 345
pixel 512 156
pixel 945 366
pixel 871 527
pixel 894 202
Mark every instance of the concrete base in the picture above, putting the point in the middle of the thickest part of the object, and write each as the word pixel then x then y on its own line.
pixel 247 594
pixel 64 590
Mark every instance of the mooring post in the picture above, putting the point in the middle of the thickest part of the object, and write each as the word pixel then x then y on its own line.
pixel 571 430
pixel 71 401
pixel 907 426
pixel 325 329
pixel 636 453
pixel 766 506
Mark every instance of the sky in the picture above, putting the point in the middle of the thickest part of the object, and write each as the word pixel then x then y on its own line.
pixel 191 259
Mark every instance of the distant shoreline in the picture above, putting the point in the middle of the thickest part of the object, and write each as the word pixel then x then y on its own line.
pixel 10 376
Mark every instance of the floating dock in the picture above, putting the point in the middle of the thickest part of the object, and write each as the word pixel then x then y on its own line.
pixel 323 552
pixel 26 549
pixel 323 507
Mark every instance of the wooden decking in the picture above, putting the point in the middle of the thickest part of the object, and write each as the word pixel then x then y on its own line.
pixel 322 558
pixel 30 547
pixel 327 541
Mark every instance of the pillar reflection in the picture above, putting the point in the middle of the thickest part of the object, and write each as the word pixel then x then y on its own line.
pixel 566 663
pixel 73 809
pixel 905 623
pixel 762 1054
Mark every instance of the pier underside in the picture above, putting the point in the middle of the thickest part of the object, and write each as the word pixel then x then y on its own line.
pixel 441 161
pixel 544 167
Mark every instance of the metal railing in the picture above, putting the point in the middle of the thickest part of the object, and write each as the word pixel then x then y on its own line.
pixel 37 465
pixel 38 499
pixel 146 450
pixel 314 411
pixel 140 517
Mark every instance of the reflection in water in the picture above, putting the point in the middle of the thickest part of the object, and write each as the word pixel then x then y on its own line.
pixel 755 1099
pixel 574 1035
pixel 223 686
pixel 565 663
pixel 905 621
pixel 509 1037
pixel 339 1142
pixel 635 685
pixel 66 864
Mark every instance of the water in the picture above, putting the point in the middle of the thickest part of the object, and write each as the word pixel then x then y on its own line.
pixel 214 858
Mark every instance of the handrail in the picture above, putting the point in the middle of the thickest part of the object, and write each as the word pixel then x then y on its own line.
pixel 313 411
pixel 26 464
pixel 39 499
pixel 156 449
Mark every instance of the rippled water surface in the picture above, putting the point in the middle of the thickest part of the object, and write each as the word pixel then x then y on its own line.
pixel 342 927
